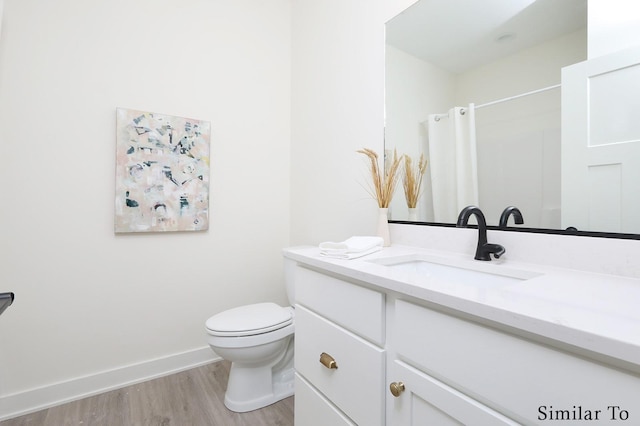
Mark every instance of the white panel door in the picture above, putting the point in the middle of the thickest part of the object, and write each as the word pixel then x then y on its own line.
pixel 601 143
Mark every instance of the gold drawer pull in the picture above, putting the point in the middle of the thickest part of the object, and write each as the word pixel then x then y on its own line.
pixel 328 361
pixel 396 388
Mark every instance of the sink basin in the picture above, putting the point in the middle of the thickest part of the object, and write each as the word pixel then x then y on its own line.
pixel 420 266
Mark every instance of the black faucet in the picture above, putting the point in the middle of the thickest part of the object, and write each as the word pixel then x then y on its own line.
pixel 511 211
pixel 484 249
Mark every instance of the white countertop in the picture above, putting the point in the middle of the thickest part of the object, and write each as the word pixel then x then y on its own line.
pixel 596 312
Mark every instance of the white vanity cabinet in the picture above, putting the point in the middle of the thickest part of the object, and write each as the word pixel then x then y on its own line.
pixel 447 367
pixel 521 379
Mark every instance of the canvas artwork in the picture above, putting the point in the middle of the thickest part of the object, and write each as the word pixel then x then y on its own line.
pixel 162 173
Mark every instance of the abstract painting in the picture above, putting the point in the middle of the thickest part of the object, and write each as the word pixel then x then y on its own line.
pixel 162 173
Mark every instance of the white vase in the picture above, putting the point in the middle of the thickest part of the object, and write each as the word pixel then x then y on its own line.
pixel 383 226
pixel 413 214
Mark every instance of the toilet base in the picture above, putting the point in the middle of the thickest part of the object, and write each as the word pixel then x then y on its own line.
pixel 249 390
pixel 252 386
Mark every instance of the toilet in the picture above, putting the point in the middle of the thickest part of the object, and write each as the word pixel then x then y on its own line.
pixel 258 340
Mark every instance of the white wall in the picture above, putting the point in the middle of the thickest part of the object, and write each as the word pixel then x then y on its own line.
pixel 613 25
pixel 413 89
pixel 337 108
pixel 88 301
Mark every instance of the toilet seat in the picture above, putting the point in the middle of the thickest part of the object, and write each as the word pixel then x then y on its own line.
pixel 249 320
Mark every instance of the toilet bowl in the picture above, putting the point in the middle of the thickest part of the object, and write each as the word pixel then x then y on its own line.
pixel 258 340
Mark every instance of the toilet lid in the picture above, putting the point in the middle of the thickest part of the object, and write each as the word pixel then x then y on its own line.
pixel 249 320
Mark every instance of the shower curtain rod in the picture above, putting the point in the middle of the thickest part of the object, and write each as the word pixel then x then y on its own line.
pixel 522 95
pixel 510 98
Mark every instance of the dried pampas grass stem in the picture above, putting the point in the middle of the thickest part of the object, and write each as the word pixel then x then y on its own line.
pixel 412 180
pixel 384 184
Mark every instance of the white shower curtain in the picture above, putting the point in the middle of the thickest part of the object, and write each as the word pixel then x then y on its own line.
pixel 453 162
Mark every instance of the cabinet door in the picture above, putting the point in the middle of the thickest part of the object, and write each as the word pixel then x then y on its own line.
pixel 312 409
pixel 427 401
pixel 512 375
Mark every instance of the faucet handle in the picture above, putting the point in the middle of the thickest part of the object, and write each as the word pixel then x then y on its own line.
pixel 496 249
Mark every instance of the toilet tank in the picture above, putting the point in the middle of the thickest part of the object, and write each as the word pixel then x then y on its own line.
pixel 289 278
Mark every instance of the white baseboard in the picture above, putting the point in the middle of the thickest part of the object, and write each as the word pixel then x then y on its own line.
pixel 26 402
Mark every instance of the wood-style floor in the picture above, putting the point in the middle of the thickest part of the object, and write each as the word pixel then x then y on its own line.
pixel 190 398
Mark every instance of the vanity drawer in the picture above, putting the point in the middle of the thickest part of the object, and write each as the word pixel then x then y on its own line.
pixel 356 386
pixel 517 377
pixel 355 308
pixel 312 409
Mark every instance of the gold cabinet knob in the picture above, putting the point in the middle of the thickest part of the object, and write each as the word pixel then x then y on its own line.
pixel 396 388
pixel 328 361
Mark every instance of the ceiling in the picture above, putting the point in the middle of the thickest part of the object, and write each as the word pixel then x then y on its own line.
pixel 458 35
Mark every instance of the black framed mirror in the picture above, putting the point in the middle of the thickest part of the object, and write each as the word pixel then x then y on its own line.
pixel 499 63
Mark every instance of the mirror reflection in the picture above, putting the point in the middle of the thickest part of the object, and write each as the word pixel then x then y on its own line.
pixel 475 87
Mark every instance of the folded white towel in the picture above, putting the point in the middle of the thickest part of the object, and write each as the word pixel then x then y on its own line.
pixel 348 256
pixel 352 247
